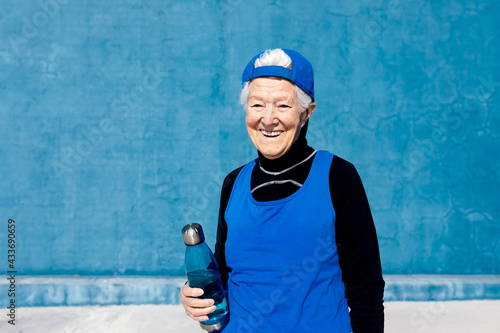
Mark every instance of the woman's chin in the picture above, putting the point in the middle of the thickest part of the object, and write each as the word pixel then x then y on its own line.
pixel 270 154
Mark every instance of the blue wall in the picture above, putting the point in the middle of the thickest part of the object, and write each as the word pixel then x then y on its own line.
pixel 119 121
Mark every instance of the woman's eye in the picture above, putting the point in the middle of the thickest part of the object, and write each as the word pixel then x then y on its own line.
pixel 284 106
pixel 256 105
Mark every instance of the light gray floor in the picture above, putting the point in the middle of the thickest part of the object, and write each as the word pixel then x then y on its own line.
pixel 401 317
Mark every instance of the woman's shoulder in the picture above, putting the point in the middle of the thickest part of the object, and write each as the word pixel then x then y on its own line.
pixel 342 165
pixel 227 186
pixel 231 177
pixel 342 171
pixel 338 163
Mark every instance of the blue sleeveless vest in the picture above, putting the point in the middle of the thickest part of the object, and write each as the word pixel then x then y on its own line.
pixel 284 268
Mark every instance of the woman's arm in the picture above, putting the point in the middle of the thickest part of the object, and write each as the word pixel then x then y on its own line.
pixel 196 308
pixel 220 245
pixel 357 248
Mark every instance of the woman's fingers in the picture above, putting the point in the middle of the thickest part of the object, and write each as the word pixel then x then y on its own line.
pixel 186 290
pixel 199 314
pixel 196 308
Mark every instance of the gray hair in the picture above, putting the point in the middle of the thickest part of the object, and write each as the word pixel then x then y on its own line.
pixel 276 57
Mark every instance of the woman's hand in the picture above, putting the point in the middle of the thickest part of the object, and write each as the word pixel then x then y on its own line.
pixel 196 308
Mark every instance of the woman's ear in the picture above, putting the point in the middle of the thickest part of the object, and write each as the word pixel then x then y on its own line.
pixel 307 113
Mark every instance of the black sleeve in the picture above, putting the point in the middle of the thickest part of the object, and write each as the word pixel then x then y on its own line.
pixel 220 245
pixel 357 248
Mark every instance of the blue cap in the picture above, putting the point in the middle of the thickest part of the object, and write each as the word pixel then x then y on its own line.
pixel 301 73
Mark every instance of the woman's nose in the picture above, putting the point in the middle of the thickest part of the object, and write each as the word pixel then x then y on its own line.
pixel 269 117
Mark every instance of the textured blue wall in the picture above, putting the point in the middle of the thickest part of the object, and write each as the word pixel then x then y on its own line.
pixel 119 121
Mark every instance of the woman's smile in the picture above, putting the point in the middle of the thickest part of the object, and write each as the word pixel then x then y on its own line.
pixel 271 134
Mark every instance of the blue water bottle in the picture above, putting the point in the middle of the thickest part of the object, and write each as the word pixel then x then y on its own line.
pixel 202 272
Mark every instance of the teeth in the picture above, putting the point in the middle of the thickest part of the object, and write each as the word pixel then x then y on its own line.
pixel 267 133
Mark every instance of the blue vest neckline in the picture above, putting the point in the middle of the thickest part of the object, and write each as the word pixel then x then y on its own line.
pixel 252 164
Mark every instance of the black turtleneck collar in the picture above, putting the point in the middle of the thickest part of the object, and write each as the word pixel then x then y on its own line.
pixel 298 152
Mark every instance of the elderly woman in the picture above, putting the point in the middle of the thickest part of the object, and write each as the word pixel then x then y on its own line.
pixel 296 244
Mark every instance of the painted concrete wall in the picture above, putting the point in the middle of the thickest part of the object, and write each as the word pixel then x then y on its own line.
pixel 119 121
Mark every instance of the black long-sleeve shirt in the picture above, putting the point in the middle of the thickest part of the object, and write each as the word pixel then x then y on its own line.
pixel 356 239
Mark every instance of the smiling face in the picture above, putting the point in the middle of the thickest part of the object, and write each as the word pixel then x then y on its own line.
pixel 274 118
